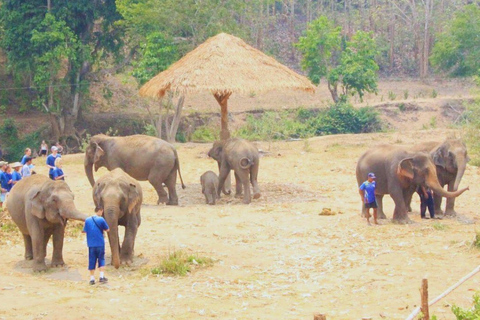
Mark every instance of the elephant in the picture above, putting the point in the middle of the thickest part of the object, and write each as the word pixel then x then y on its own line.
pixel 241 156
pixel 398 172
pixel 40 208
pixel 142 157
pixel 121 197
pixel 450 158
pixel 209 181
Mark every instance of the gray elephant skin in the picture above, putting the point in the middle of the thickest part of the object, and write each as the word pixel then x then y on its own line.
pixel 142 157
pixel 450 158
pixel 121 197
pixel 398 172
pixel 40 208
pixel 209 182
pixel 242 157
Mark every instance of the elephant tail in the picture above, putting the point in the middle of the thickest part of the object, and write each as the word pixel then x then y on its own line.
pixel 177 166
pixel 245 163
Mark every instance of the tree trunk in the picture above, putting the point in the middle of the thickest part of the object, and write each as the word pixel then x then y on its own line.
pixel 172 129
pixel 222 100
pixel 333 92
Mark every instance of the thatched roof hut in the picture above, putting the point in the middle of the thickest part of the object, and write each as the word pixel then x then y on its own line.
pixel 225 64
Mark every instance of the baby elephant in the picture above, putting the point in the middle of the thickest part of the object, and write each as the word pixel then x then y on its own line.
pixel 209 181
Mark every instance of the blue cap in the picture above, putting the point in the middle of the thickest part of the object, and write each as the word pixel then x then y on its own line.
pixel 371 175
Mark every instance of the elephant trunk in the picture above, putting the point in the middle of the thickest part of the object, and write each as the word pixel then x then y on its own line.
pixel 462 165
pixel 111 216
pixel 89 171
pixel 73 214
pixel 433 183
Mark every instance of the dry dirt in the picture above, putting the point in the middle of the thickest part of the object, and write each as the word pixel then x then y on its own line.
pixel 276 258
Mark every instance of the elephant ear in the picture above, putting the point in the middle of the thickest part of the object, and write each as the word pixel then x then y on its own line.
pixel 97 194
pixel 98 154
pixel 134 198
pixel 405 168
pixel 439 156
pixel 35 206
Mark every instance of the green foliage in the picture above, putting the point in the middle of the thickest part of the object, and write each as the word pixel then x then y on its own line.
pixel 13 144
pixel 303 123
pixel 468 314
pixel 180 263
pixel 150 130
pixel 8 226
pixel 157 54
pixel 350 64
pixel 457 51
pixel 405 94
pixel 391 95
pixel 472 131
pixel 85 142
pixel 439 226
pixel 205 134
pixel 402 107
pixel 476 241
pixel 434 93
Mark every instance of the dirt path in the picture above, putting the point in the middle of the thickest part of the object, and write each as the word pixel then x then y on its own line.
pixel 275 259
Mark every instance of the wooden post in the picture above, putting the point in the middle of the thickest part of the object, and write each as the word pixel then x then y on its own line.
pixel 424 294
pixel 319 316
pixel 222 100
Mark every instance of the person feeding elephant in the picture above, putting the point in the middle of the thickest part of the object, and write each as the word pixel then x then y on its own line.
pixel 367 193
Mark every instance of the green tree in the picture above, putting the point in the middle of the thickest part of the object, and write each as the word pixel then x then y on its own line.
pixel 42 38
pixel 457 50
pixel 348 64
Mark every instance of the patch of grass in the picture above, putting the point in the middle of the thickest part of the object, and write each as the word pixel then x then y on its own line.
pixel 405 94
pixel 8 226
pixel 434 93
pixel 468 314
pixel 391 95
pixel 180 263
pixel 402 107
pixel 439 226
pixel 205 134
pixel 306 146
pixel 74 228
pixel 476 241
pixel 433 122
pixel 252 94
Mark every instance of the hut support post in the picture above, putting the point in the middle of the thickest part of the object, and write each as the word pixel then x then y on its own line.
pixel 222 100
pixel 424 294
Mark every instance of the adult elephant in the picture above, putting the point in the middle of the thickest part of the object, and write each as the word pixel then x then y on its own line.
pixel 450 158
pixel 121 198
pixel 242 157
pixel 142 157
pixel 398 172
pixel 40 208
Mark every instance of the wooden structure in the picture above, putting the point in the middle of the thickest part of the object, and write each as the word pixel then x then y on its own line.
pixel 224 65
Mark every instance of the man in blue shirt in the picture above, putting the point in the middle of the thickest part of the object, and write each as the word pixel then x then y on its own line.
pixel 367 193
pixel 3 182
pixel 57 173
pixel 51 161
pixel 94 227
pixel 28 154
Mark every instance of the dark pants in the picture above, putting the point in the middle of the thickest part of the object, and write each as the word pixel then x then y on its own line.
pixel 427 202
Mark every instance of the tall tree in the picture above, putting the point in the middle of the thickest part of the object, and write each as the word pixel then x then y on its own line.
pixel 40 38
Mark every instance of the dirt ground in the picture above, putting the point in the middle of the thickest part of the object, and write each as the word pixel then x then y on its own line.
pixel 276 258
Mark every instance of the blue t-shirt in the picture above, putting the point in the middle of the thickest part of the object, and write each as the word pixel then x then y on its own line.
pixel 16 176
pixel 57 172
pixel 51 161
pixel 8 177
pixel 94 232
pixel 369 188
pixel 3 180
pixel 23 159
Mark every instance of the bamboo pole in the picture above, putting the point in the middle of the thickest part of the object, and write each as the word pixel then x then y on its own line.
pixel 424 294
pixel 445 293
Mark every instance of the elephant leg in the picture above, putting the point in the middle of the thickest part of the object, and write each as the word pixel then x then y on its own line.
pixel 228 180
pixel 156 180
pixel 438 204
pixel 254 182
pixel 450 207
pixel 126 253
pixel 238 186
pixel 171 182
pixel 400 214
pixel 380 212
pixel 244 178
pixel 39 248
pixel 28 247
pixel 224 172
pixel 57 257
pixel 408 200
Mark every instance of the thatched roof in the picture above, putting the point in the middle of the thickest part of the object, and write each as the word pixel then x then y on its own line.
pixel 225 64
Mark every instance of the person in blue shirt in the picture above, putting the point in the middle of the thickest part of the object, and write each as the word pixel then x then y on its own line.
pixel 27 168
pixel 16 175
pixel 94 227
pixel 8 175
pixel 367 193
pixel 28 154
pixel 51 161
pixel 3 182
pixel 57 173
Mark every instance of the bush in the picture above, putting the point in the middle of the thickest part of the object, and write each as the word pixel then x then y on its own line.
pixel 468 314
pixel 13 146
pixel 205 134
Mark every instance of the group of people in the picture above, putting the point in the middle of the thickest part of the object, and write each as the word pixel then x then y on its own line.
pixel 367 193
pixel 11 173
